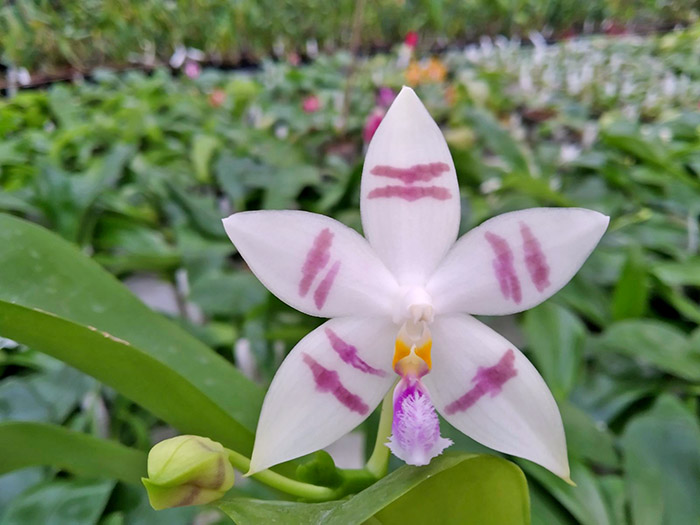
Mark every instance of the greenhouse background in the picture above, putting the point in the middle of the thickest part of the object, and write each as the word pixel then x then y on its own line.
pixel 129 129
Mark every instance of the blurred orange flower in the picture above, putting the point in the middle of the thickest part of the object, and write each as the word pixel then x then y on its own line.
pixel 434 71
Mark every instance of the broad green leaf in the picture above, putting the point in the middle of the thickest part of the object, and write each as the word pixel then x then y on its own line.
pixel 14 483
pixel 48 395
pixel 656 342
pixel 60 502
pixel 43 444
pixel 685 273
pixel 613 487
pixel 49 288
pixel 585 501
pixel 489 493
pixel 454 488
pixel 585 439
pixel 606 398
pixel 135 373
pixel 662 464
pixel 631 292
pixel 546 510
pixel 555 339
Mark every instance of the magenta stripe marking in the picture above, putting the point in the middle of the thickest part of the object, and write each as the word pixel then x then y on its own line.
pixel 349 354
pixel 535 259
pixel 328 381
pixel 504 268
pixel 321 292
pixel 410 193
pixel 418 172
pixel 488 381
pixel 316 259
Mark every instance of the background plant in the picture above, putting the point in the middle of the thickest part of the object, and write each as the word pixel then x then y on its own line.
pixel 136 170
pixel 46 36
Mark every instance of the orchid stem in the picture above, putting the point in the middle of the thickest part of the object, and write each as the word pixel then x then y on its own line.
pixel 378 462
pixel 283 483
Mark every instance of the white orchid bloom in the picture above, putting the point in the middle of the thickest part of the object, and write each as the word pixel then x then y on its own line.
pixel 399 302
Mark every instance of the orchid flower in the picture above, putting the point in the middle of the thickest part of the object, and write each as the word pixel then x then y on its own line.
pixel 400 303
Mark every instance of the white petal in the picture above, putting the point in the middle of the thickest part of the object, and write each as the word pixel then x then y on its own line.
pixel 485 387
pixel 409 195
pixel 312 262
pixel 515 261
pixel 328 384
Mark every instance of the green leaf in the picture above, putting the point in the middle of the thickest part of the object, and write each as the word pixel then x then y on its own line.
pixel 203 149
pixel 138 375
pixel 14 483
pixel 662 462
pixel 244 511
pixel 217 293
pixel 498 139
pixel 585 501
pixel 60 502
pixel 57 300
pixel 685 273
pixel 631 292
pixel 656 342
pixel 320 470
pixel 130 503
pixel 555 339
pixel 586 439
pixel 48 395
pixel 546 510
pixel 454 488
pixel 587 299
pixel 43 444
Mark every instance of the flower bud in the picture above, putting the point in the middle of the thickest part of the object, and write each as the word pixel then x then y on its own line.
pixel 187 470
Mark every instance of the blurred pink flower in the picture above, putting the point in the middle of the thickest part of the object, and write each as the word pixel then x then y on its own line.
pixel 385 96
pixel 217 98
pixel 294 58
pixel 372 123
pixel 411 39
pixel 192 69
pixel 311 104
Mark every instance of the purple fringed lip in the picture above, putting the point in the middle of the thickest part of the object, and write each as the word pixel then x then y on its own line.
pixel 415 436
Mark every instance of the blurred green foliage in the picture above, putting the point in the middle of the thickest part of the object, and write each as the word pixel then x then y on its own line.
pixel 44 36
pixel 138 169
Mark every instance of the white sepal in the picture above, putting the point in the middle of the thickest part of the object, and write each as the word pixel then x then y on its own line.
pixel 409 196
pixel 328 384
pixel 486 388
pixel 313 263
pixel 515 261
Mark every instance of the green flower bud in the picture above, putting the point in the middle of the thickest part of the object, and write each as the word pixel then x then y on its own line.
pixel 187 470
